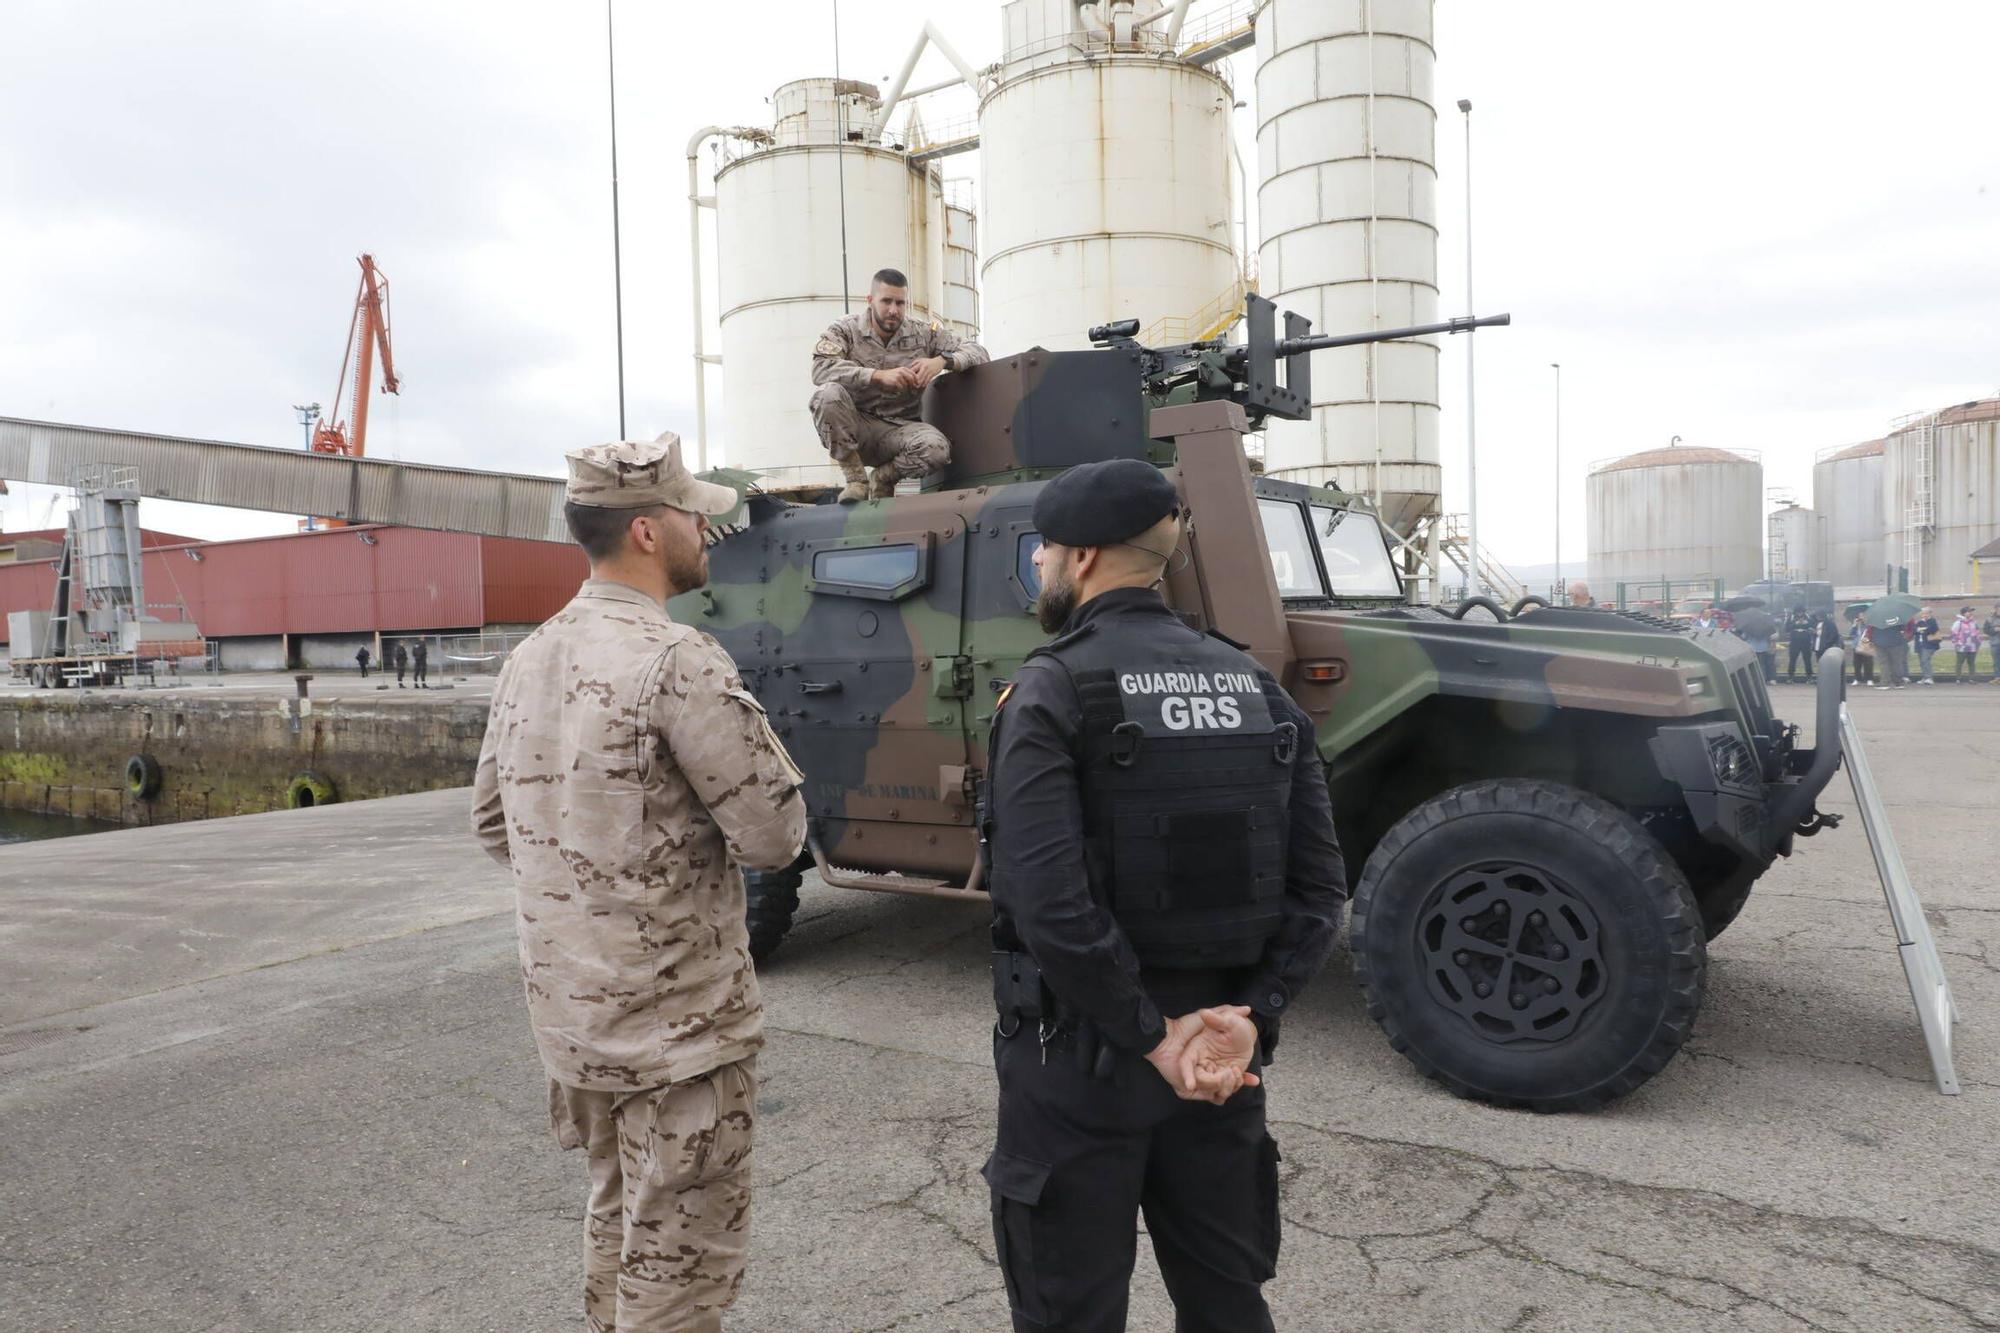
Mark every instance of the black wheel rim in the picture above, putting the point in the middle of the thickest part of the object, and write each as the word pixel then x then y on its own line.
pixel 1511 950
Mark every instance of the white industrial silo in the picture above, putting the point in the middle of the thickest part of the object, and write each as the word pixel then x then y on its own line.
pixel 1347 226
pixel 1106 172
pixel 1942 494
pixel 961 268
pixel 1847 492
pixel 1793 554
pixel 781 198
pixel 1675 513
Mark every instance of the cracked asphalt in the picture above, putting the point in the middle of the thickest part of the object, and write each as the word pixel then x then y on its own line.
pixel 274 1073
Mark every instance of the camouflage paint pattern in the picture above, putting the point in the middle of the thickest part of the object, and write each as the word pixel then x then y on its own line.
pixel 666 1228
pixel 882 683
pixel 626 770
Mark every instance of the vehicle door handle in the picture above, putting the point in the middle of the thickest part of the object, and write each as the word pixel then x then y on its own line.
pixel 819 687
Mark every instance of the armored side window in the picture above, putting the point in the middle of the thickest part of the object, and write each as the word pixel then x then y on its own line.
pixel 880 572
pixel 1024 563
pixel 1291 549
pixel 1356 556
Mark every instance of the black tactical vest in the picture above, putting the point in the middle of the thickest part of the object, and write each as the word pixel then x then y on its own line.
pixel 1186 777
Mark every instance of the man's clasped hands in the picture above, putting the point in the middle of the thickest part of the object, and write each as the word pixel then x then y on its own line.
pixel 1206 1055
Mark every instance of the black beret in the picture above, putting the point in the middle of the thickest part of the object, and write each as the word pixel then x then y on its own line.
pixel 1102 504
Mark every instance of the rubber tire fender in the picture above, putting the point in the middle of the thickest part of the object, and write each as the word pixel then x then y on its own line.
pixel 142 777
pixel 1650 936
pixel 309 789
pixel 770 900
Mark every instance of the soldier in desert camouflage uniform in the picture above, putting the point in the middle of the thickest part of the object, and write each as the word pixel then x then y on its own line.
pixel 871 369
pixel 624 775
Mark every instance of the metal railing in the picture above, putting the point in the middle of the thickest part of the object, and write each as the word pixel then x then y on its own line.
pixel 1211 321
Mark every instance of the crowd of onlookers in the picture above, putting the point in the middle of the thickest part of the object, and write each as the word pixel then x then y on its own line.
pixel 1882 658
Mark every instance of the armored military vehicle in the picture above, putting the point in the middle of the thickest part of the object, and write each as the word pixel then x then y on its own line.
pixel 1547 813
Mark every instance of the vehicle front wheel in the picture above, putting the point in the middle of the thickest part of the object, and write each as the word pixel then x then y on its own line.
pixel 1528 944
pixel 771 898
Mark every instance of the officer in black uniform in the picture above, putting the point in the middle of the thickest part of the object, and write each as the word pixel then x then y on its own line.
pixel 1160 847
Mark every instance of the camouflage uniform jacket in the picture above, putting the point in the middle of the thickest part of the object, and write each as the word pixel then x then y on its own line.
pixel 850 351
pixel 624 772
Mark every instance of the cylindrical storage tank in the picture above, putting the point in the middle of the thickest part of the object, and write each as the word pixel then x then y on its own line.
pixel 1957 452
pixel 778 248
pixel 960 284
pixel 1675 513
pixel 1347 236
pixel 1847 492
pixel 1793 555
pixel 1106 177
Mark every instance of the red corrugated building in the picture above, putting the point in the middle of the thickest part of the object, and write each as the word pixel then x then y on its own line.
pixel 339 581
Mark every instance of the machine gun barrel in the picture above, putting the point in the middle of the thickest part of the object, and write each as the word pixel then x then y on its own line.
pixel 1318 341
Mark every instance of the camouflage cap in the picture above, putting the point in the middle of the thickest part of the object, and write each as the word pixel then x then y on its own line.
pixel 633 474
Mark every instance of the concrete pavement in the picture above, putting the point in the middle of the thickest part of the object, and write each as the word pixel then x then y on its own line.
pixel 274 1073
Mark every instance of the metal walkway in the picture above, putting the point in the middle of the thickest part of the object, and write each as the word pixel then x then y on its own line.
pixel 287 481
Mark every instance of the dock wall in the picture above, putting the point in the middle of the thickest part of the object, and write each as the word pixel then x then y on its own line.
pixel 66 753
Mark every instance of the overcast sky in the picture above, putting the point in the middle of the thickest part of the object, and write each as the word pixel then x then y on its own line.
pixel 1768 226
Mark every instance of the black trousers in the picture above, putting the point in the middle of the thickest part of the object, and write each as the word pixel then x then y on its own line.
pixel 1080 1157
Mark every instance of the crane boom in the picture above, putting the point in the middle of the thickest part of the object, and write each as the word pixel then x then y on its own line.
pixel 367 331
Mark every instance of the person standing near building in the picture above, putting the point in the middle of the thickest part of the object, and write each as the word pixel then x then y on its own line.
pixel 1165 881
pixel 361 658
pixel 401 657
pixel 1892 645
pixel 1759 637
pixel 626 776
pixel 1965 645
pixel 1926 634
pixel 870 369
pixel 1826 634
pixel 1991 631
pixel 1798 645
pixel 420 660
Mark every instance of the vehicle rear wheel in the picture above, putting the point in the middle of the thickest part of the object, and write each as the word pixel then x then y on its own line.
pixel 771 898
pixel 38 676
pixel 1528 944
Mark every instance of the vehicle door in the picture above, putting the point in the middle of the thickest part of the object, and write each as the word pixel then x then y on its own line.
pixel 865 688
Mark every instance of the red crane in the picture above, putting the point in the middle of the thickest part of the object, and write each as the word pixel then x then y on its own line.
pixel 366 331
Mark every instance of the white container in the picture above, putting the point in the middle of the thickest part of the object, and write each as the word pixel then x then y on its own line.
pixel 1347 228
pixel 1847 492
pixel 779 272
pixel 1965 496
pixel 27 634
pixel 1678 513
pixel 1107 184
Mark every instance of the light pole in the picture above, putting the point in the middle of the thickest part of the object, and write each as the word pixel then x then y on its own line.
pixel 308 413
pixel 1471 436
pixel 1562 583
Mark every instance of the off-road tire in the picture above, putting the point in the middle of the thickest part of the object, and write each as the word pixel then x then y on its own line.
pixel 1646 929
pixel 1720 900
pixel 770 899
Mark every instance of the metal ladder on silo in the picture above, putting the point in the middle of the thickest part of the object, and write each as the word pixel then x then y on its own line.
pixel 1920 517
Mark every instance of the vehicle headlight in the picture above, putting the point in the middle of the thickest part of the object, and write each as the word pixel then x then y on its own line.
pixel 1734 765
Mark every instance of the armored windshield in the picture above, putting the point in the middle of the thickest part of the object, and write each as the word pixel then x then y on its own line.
pixel 1356 558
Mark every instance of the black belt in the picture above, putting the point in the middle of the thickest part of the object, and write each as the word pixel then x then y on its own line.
pixel 1019 994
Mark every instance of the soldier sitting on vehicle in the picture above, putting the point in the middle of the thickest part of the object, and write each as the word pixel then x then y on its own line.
pixel 871 368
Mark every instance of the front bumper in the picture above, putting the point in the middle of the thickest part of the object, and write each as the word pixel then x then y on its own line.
pixel 1731 802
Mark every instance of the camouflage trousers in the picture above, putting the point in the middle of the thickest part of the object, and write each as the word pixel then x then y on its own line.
pixel 668 1221
pixel 911 447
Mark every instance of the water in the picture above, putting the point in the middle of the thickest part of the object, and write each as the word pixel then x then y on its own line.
pixel 21 826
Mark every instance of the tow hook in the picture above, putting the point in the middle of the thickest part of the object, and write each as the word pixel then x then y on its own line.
pixel 1815 822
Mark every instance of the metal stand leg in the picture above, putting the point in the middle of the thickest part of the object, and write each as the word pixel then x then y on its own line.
pixel 1936 1010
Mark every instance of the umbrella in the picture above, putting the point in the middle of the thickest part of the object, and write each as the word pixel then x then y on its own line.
pixel 1742 603
pixel 1890 612
pixel 1755 623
